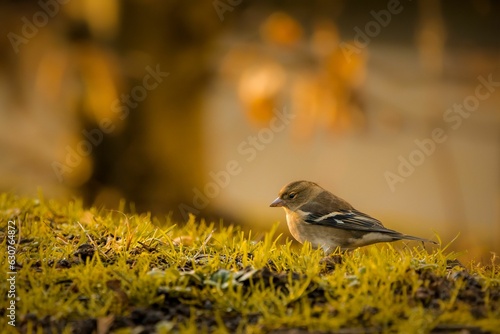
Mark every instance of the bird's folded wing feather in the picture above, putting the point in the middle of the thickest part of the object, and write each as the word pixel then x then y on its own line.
pixel 347 220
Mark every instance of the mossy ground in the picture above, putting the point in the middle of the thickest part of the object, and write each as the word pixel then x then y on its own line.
pixel 99 271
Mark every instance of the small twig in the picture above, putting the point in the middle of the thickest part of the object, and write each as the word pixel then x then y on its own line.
pixel 91 240
pixel 205 243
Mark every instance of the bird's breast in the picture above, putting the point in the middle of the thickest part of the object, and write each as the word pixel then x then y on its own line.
pixel 296 225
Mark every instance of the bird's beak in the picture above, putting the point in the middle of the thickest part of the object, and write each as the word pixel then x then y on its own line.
pixel 277 202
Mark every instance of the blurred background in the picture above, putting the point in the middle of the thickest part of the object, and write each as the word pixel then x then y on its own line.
pixel 210 107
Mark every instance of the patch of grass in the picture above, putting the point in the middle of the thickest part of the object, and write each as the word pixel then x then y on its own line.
pixel 92 270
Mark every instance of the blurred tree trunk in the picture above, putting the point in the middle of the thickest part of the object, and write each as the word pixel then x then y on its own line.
pixel 165 159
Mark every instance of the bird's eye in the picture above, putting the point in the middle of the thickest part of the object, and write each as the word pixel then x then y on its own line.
pixel 292 195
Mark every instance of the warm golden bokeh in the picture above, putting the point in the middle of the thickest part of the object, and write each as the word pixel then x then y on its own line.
pixel 209 108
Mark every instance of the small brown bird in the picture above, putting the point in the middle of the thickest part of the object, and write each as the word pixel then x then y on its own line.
pixel 316 215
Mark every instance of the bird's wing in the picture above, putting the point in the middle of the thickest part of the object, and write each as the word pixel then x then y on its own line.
pixel 347 220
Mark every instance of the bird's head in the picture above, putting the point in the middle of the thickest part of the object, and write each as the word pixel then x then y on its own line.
pixel 295 194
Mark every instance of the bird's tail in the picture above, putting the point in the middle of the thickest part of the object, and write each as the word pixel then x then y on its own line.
pixel 410 237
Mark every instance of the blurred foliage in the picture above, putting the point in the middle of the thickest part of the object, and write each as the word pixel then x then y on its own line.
pixel 323 88
pixel 88 66
pixel 79 70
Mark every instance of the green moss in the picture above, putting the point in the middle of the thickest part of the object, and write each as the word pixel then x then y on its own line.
pixel 82 269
